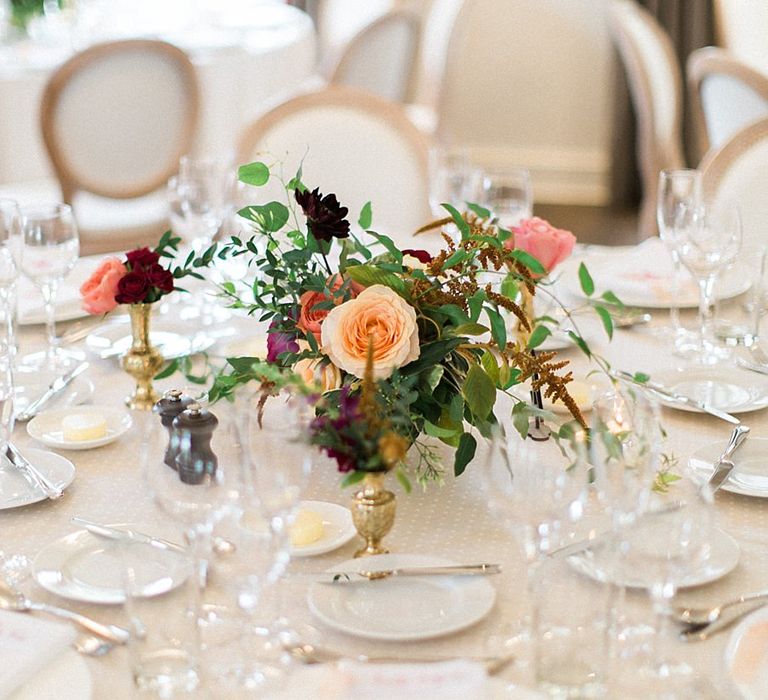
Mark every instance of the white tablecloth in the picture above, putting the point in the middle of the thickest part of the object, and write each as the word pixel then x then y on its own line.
pixel 450 520
pixel 247 57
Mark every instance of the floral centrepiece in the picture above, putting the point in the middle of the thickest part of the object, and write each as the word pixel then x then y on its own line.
pixel 139 281
pixel 432 327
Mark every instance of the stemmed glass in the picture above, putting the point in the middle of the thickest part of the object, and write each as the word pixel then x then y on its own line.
pixel 677 188
pixel 47 252
pixel 452 180
pixel 709 239
pixel 10 221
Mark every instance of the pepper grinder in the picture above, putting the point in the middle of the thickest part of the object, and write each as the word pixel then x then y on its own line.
pixel 195 459
pixel 171 405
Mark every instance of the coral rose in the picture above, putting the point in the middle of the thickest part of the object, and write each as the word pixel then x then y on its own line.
pixel 377 313
pixel 549 245
pixel 310 318
pixel 100 289
pixel 325 375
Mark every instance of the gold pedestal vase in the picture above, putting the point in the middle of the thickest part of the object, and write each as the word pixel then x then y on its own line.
pixel 142 360
pixel 373 513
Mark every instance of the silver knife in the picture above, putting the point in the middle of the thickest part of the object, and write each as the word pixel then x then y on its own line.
pixel 359 575
pixel 57 386
pixel 34 475
pixel 674 397
pixel 724 465
pixel 127 535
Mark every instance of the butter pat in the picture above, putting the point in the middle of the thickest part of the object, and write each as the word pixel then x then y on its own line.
pixel 80 427
pixel 306 529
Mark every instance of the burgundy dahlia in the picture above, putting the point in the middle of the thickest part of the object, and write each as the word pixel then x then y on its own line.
pixel 325 216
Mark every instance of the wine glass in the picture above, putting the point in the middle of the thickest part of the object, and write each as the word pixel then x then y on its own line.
pixel 508 194
pixel 677 188
pixel 709 239
pixel 6 400
pixel 47 252
pixel 452 179
pixel 10 222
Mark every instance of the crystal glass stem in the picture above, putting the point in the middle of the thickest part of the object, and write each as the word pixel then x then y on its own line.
pixel 674 306
pixel 50 291
pixel 706 287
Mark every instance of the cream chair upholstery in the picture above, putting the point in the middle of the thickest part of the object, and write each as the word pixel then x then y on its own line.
pixel 738 172
pixel 380 58
pixel 655 84
pixel 725 96
pixel 353 144
pixel 115 120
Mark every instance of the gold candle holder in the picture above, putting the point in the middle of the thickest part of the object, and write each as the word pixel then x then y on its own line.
pixel 373 513
pixel 142 360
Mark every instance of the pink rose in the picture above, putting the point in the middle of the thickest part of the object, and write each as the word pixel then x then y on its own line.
pixel 549 245
pixel 100 289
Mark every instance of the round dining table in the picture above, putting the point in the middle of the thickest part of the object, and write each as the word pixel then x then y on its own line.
pixel 248 56
pixel 451 519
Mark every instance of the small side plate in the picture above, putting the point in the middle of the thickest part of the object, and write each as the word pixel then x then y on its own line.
pixel 46 427
pixel 16 490
pixel 337 524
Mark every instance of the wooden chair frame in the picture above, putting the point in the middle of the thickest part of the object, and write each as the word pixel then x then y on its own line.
pixel 715 61
pixel 652 155
pixel 60 80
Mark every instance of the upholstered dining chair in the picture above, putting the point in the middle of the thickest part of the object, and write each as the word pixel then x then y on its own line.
pixel 736 172
pixel 725 95
pixel 381 57
pixel 656 87
pixel 115 120
pixel 351 143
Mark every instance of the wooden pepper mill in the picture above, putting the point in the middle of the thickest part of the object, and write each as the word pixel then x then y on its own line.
pixel 195 459
pixel 172 403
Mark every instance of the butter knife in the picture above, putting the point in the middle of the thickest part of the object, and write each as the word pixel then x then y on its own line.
pixel 128 535
pixel 57 386
pixel 674 397
pixel 724 465
pixel 35 476
pixel 353 576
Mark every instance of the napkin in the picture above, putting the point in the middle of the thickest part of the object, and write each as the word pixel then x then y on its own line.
pixel 448 680
pixel 645 271
pixel 27 645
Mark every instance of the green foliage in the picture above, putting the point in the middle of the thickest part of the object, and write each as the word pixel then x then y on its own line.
pixel 366 216
pixel 256 174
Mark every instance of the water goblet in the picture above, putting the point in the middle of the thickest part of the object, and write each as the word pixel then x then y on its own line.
pixel 10 222
pixel 709 239
pixel 47 251
pixel 508 194
pixel 680 187
pixel 452 180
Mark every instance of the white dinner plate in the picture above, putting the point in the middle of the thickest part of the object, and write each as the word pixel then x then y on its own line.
pixel 583 393
pixel 338 528
pixel 66 678
pixel 401 609
pixel 750 473
pixel 172 340
pixel 46 427
pixel 746 655
pixel 727 389
pixel 598 564
pixel 29 385
pixel 87 568
pixel 16 490
pixel 642 276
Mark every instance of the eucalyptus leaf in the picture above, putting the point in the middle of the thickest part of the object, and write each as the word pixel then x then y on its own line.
pixel 539 335
pixel 366 216
pixel 256 174
pixel 458 219
pixel 479 391
pixel 605 317
pixel 586 281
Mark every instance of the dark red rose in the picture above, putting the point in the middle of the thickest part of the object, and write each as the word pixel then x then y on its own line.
pixel 158 276
pixel 421 255
pixel 132 288
pixel 325 216
pixel 142 257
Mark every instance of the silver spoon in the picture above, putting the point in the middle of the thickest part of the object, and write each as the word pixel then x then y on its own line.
pixel 705 616
pixel 309 654
pixel 15 601
pixel 701 633
pixel 91 645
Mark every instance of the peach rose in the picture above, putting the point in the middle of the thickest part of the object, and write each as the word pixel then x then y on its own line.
pixel 380 313
pixel 549 245
pixel 100 289
pixel 311 319
pixel 325 375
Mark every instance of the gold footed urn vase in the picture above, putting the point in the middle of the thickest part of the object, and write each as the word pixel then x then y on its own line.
pixel 373 513
pixel 142 360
